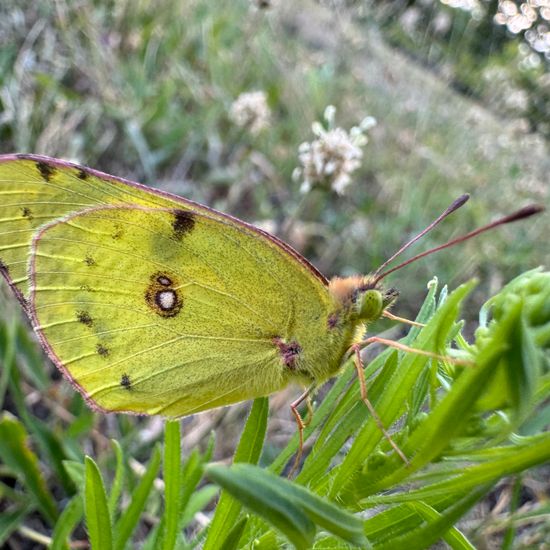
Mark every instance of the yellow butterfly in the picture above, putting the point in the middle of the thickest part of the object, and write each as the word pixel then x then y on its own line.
pixel 153 304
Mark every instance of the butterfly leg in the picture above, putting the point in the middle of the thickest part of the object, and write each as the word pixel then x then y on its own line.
pixel 364 396
pixel 301 425
pixel 309 406
pixel 403 347
pixel 393 317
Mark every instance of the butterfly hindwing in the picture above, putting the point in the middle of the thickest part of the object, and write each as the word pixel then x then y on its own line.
pixel 168 311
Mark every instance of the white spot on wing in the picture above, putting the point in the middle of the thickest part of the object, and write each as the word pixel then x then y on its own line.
pixel 167 299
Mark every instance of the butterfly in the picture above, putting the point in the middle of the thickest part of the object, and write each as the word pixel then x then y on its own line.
pixel 150 303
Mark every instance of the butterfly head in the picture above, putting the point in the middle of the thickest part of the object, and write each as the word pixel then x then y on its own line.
pixel 363 298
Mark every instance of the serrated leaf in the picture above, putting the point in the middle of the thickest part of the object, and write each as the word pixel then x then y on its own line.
pixel 278 501
pixel 266 501
pixel 98 519
pixel 249 450
pixel 69 518
pixel 130 517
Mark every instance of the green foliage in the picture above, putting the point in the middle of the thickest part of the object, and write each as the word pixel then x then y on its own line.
pixel 143 90
pixel 459 426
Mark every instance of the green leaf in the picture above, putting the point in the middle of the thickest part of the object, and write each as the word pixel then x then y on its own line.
pixel 388 402
pixel 453 537
pixel 17 455
pixel 129 519
pixel 289 507
pixel 231 541
pixel 198 501
pixel 77 472
pixel 172 483
pixel 268 503
pixel 69 518
pixel 98 519
pixel 191 476
pixel 249 450
pixel 495 464
pixel 11 520
pixel 429 532
pixel 7 360
pixel 118 480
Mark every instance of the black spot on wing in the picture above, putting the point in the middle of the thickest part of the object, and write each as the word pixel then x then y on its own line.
pixel 125 382
pixel 82 174
pixel 84 318
pixel 26 212
pixel 89 260
pixel 184 222
pixel 46 171
pixel 117 234
pixel 102 350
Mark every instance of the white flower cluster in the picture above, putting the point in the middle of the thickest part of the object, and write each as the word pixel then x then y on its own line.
pixel 251 111
pixel 522 17
pixel 531 16
pixel 329 160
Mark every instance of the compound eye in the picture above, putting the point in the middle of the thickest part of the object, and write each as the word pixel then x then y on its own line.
pixel 371 305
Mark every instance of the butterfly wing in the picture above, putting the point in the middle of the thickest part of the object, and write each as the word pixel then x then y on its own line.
pixel 35 190
pixel 170 311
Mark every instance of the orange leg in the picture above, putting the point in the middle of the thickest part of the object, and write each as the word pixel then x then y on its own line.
pixel 364 396
pixel 301 425
pixel 309 405
pixel 403 347
pixel 393 317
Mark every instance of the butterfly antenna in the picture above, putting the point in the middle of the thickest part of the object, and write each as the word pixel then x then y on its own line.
pixel 454 206
pixel 518 215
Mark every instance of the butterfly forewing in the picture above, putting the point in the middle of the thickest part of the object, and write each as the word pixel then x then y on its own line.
pixel 167 311
pixel 35 190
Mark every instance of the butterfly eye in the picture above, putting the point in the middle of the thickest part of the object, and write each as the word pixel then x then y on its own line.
pixel 370 305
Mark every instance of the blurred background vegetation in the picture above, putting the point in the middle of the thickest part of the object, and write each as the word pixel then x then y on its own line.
pixel 460 91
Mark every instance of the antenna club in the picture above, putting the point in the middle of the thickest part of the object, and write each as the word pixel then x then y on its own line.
pixel 525 212
pixel 463 199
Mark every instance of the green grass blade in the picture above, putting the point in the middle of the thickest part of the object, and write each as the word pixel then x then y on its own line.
pixel 256 487
pixel 231 541
pixel 98 520
pixel 128 520
pixel 11 520
pixel 266 501
pixel 77 472
pixel 191 476
pixel 16 454
pixel 8 331
pixel 453 537
pixel 429 532
pixel 118 480
pixel 172 483
pixel 68 520
pixel 249 450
